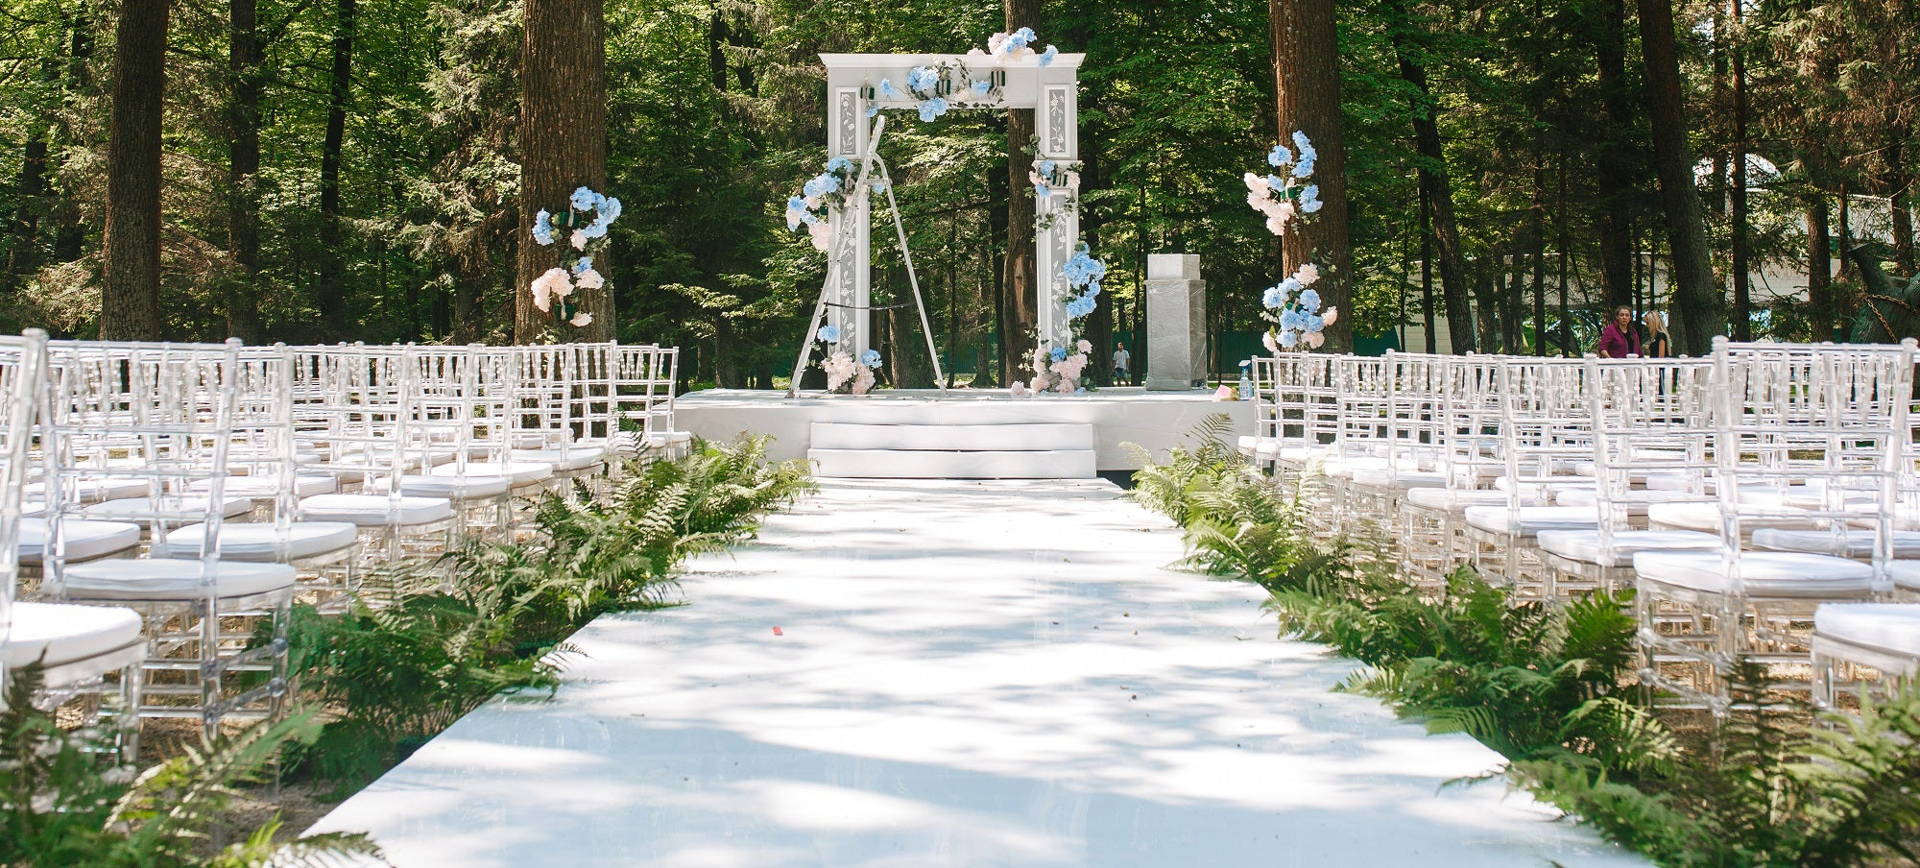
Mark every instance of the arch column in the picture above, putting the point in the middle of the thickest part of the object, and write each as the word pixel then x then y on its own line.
pixel 847 137
pixel 1056 117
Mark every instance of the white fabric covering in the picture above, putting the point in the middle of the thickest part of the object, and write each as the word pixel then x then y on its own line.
pixel 1853 544
pixel 520 472
pixel 1530 520
pixel 258 541
pixel 1770 574
pixel 170 579
pixel 375 509
pixel 1584 545
pixel 85 538
pixel 1888 626
pixel 67 633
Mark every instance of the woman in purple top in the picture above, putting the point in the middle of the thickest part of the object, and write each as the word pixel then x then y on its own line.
pixel 1619 339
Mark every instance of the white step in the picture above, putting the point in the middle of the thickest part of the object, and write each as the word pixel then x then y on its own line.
pixel 932 464
pixel 953 438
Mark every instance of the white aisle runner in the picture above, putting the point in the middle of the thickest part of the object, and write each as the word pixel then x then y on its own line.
pixel 963 673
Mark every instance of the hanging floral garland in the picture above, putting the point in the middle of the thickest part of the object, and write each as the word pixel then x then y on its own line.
pixel 1285 195
pixel 844 372
pixel 588 216
pixel 1055 367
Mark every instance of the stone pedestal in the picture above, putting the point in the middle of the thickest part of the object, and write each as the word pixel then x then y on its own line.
pixel 1176 322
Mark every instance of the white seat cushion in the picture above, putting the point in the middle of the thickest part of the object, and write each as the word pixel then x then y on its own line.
pixel 1706 516
pixel 1530 520
pixel 1584 545
pixel 1635 501
pixel 263 487
pixel 168 579
pixel 453 487
pixel 1851 544
pixel 1891 627
pixel 375 509
pixel 1460 498
pixel 1381 477
pixel 1343 466
pixel 66 633
pixel 143 511
pixel 1249 445
pixel 259 541
pixel 1303 453
pixel 1770 574
pixel 520 472
pixel 574 457
pixel 92 490
pixel 1905 574
pixel 84 538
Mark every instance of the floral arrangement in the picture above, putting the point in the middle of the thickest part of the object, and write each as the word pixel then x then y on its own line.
pixel 844 372
pixel 821 194
pixel 939 88
pixel 1285 194
pixel 586 220
pixel 1054 367
pixel 1048 175
pixel 1293 306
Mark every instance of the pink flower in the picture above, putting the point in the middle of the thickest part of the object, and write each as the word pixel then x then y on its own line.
pixel 1224 393
pixel 1266 339
pixel 822 235
pixel 590 279
pixel 581 320
pixel 553 284
pixel 1314 340
pixel 1333 313
pixel 1018 389
pixel 1256 184
pixel 579 239
pixel 1277 225
pixel 1307 274
pixel 1085 346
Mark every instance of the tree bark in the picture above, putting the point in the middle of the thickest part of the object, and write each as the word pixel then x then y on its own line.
pixel 130 291
pixel 1436 188
pixel 1306 76
pixel 563 145
pixel 244 57
pixel 1742 234
pixel 24 255
pixel 1697 315
pixel 1899 202
pixel 1618 185
pixel 1820 268
pixel 1022 312
pixel 331 291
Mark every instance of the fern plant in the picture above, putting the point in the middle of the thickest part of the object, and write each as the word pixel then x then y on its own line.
pixel 60 806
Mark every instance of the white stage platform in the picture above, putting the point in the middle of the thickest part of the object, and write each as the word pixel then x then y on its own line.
pixel 1154 420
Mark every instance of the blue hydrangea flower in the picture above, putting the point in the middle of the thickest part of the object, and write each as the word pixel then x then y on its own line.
pixel 981 88
pixel 1093 286
pixel 1305 145
pixel 1041 191
pixel 870 358
pixel 1303 169
pixel 1274 298
pixel 887 89
pixel 1290 285
pixel 543 228
pixel 872 110
pixel 922 78
pixel 1279 156
pixel 1291 319
pixel 610 209
pixel 1310 300
pixel 1310 200
pixel 596 229
pixel 796 203
pixel 1059 354
pixel 1047 167
pixel 1046 57
pixel 1289 339
pixel 828 333
pixel 1082 268
pixel 585 263
pixel 813 187
pixel 839 164
pixel 933 108
pixel 879 186
pixel 583 199
pixel 1276 182
pixel 1313 323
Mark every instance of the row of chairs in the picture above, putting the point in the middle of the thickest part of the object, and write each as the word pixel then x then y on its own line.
pixel 163 505
pixel 1763 501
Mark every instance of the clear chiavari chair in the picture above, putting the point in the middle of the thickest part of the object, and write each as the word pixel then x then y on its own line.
pixel 1542 425
pixel 1807 436
pixel 86 653
pixel 176 412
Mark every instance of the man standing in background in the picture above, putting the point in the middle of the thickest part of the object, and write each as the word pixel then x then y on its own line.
pixel 1120 362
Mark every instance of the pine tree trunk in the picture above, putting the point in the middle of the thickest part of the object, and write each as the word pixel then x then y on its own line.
pixel 1697 312
pixel 563 145
pixel 1021 323
pixel 243 136
pixel 1436 187
pixel 331 291
pixel 1306 76
pixel 1742 234
pixel 1820 268
pixel 24 256
pixel 1900 203
pixel 130 291
pixel 1618 186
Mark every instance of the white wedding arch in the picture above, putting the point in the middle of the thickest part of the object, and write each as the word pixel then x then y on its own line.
pixel 1049 85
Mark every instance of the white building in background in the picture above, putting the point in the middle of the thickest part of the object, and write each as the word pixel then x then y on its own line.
pixel 1780 278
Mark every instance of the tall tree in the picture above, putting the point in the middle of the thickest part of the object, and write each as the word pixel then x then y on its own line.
pixel 246 86
pixel 331 289
pixel 563 145
pixel 1607 25
pixel 1740 212
pixel 1436 185
pixel 130 291
pixel 1697 313
pixel 1021 314
pixel 1306 76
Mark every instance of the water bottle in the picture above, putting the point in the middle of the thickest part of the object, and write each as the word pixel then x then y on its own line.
pixel 1246 384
